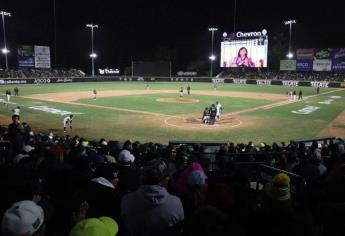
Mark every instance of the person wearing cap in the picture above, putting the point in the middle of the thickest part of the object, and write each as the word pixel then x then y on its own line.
pixel 151 210
pixel 102 226
pixel 277 216
pixel 23 218
pixel 67 121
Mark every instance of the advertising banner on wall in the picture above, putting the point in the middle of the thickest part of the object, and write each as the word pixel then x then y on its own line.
pixel 288 65
pixel 304 65
pixel 323 53
pixel 42 57
pixel 338 66
pixel 322 65
pixel 338 54
pixel 26 56
pixel 305 54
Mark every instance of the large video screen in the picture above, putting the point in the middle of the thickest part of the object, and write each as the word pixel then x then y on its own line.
pixel 244 53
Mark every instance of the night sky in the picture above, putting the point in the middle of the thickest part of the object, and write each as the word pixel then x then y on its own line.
pixel 147 30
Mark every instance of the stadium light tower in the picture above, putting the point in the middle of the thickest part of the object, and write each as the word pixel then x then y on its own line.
pixel 212 57
pixel 5 50
pixel 93 55
pixel 290 22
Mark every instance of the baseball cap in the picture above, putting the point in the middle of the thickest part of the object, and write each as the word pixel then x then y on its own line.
pixel 28 148
pixel 21 218
pixel 103 226
pixel 155 170
pixel 279 188
pixel 196 178
pixel 125 157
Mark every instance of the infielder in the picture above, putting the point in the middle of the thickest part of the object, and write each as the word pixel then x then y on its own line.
pixel 181 92
pixel 94 93
pixel 16 111
pixel 67 121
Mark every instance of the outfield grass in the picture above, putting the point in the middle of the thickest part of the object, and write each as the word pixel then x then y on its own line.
pixel 276 124
pixel 71 87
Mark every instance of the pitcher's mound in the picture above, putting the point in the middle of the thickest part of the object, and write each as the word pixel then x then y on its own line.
pixel 177 100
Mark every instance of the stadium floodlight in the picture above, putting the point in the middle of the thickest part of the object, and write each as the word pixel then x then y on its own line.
pixel 93 55
pixel 5 51
pixel 290 22
pixel 212 29
pixel 289 55
pixel 212 57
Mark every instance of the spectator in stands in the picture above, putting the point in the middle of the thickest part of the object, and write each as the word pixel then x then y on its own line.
pixel 151 210
pixel 242 59
pixel 16 134
pixel 277 216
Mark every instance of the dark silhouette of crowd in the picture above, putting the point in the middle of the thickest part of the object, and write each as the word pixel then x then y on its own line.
pixel 63 185
pixel 40 73
pixel 282 75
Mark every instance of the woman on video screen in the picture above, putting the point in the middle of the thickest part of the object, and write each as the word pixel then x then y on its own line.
pixel 242 59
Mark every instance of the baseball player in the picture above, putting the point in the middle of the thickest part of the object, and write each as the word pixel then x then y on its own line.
pixel 181 92
pixel 16 111
pixel 219 109
pixel 206 116
pixel 94 93
pixel 188 90
pixel 8 95
pixel 67 121
pixel 294 95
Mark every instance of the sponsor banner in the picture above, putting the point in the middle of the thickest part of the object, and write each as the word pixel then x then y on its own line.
pixel 322 53
pixel 64 80
pixel 319 84
pixel 338 54
pixel 326 102
pixel 304 65
pixel 54 111
pixel 288 65
pixel 289 83
pixel 221 81
pixel 338 65
pixel 13 81
pixel 263 82
pixel 307 110
pixel 342 84
pixel 107 71
pixel 42 57
pixel 322 65
pixel 26 56
pixel 187 73
pixel 305 54
pixel 239 81
pixel 42 81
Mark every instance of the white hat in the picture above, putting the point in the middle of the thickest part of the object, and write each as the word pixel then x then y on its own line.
pixel 126 157
pixel 105 143
pixel 28 148
pixel 21 218
pixel 20 157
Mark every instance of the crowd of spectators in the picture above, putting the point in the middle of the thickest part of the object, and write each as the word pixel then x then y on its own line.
pixel 40 73
pixel 53 185
pixel 281 75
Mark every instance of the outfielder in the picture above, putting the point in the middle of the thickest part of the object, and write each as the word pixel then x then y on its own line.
pixel 67 121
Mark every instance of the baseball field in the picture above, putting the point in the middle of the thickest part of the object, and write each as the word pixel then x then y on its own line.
pixel 154 111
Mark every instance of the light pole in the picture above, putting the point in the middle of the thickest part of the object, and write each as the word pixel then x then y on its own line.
pixel 212 57
pixel 290 22
pixel 93 55
pixel 5 51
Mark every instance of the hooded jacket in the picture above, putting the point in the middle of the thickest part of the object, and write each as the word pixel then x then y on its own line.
pixel 151 210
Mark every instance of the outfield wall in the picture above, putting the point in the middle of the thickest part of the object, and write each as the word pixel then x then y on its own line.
pixel 290 83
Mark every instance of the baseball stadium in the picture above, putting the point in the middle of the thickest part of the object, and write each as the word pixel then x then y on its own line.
pixel 172 118
pixel 154 111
